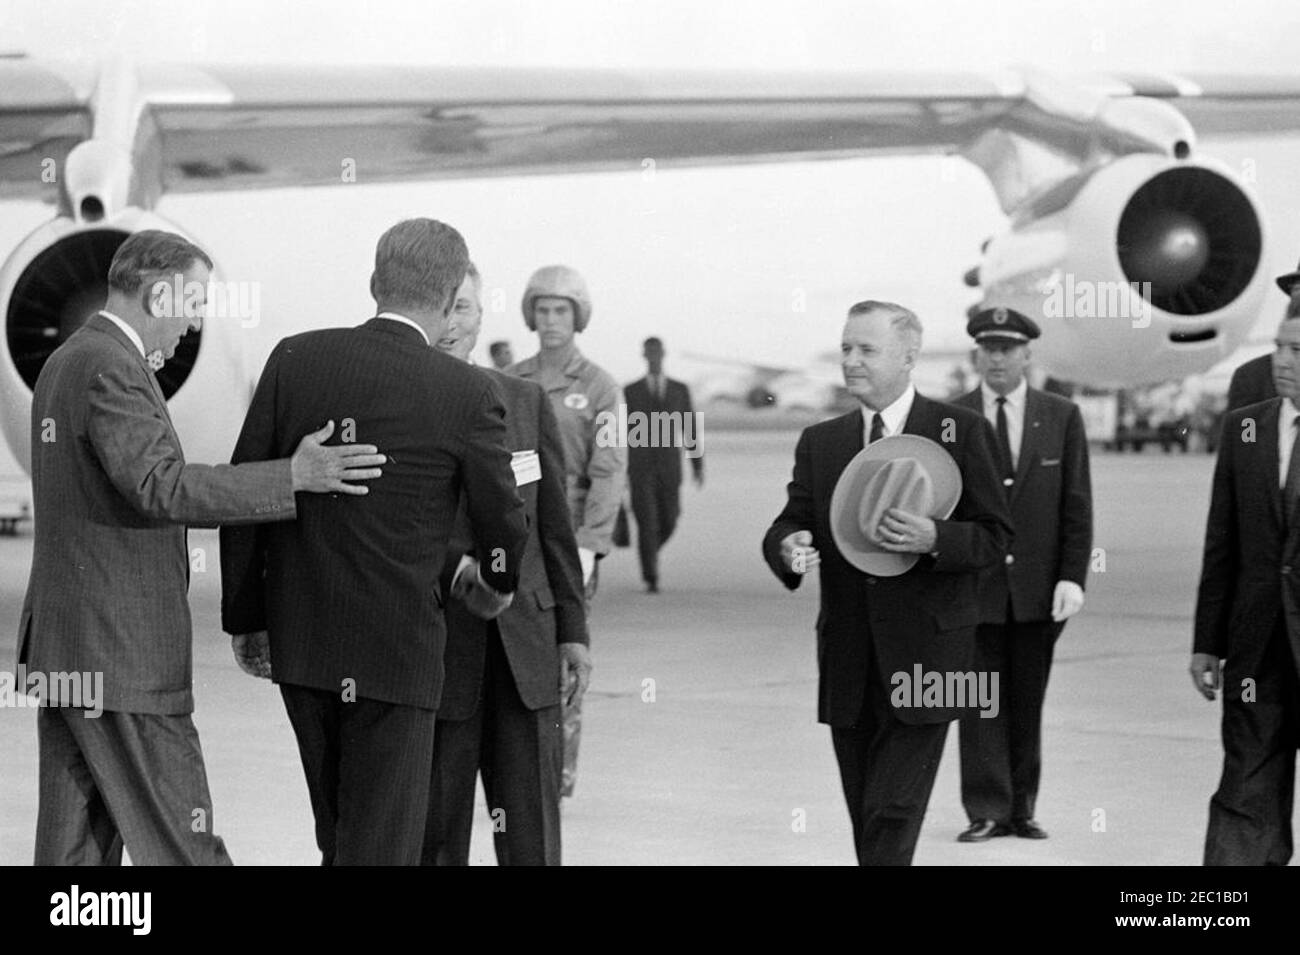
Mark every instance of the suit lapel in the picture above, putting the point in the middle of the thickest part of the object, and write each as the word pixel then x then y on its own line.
pixel 920 418
pixel 848 442
pixel 102 324
pixel 1029 436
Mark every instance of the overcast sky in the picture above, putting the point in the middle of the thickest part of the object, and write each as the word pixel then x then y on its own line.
pixel 708 258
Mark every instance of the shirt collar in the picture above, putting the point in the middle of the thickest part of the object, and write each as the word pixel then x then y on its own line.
pixel 1015 397
pixel 402 318
pixel 894 416
pixel 1287 415
pixel 127 330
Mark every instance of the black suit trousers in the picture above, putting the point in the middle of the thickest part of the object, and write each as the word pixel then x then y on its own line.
pixel 1002 756
pixel 518 751
pixel 1250 813
pixel 367 766
pixel 887 770
pixel 656 504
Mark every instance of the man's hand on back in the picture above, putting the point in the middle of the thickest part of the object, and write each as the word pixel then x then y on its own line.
pixel 323 470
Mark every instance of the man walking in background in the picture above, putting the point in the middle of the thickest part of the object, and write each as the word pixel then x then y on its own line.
pixel 662 405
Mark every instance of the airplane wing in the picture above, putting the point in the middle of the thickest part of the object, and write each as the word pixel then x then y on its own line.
pixel 207 128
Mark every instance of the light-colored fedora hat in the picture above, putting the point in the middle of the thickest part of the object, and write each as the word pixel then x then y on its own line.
pixel 905 471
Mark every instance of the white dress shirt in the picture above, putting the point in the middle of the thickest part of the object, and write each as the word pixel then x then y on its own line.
pixel 1285 438
pixel 1015 407
pixel 402 318
pixel 127 330
pixel 893 417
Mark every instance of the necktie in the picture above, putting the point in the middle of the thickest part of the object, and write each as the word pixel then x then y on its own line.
pixel 1004 439
pixel 877 428
pixel 1291 490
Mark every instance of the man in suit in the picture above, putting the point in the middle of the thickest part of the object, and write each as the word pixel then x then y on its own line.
pixel 557 306
pixel 500 708
pixel 654 466
pixel 871 628
pixel 1253 381
pixel 110 568
pixel 343 607
pixel 1247 637
pixel 1025 601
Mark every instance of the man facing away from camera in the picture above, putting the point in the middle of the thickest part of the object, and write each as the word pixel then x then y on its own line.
pixel 110 566
pixel 344 611
pixel 506 677
pixel 871 628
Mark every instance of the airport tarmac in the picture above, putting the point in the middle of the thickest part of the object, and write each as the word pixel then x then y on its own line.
pixel 700 741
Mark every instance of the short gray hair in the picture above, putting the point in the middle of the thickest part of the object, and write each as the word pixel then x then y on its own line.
pixel 419 264
pixel 902 320
pixel 151 253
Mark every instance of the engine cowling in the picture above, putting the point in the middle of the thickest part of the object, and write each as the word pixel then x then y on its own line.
pixel 53 281
pixel 1147 270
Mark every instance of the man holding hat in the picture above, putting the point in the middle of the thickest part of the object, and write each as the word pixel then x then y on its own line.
pixel 557 306
pixel 899 505
pixel 1025 601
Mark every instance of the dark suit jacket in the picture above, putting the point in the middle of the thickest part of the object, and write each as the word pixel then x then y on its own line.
pixel 112 490
pixel 1250 572
pixel 665 459
pixel 927 615
pixel 1251 383
pixel 349 591
pixel 1051 510
pixel 548 608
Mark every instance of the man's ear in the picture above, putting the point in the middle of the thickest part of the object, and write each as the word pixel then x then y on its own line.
pixel 149 300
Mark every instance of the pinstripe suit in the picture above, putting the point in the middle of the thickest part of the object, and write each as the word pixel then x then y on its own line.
pixel 349 592
pixel 108 594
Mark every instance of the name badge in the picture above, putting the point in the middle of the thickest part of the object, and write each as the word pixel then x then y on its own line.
pixel 527 466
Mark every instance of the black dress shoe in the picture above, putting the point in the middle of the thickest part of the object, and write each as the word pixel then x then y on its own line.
pixel 981 830
pixel 1028 829
pixel 652 587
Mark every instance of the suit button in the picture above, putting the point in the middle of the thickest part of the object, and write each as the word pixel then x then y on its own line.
pixel 1007 482
pixel 1286 569
pixel 1011 559
pixel 871 581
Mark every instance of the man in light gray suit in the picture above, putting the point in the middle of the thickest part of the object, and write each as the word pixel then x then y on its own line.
pixel 110 569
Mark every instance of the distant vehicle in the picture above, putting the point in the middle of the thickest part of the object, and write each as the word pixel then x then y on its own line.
pixel 1141 432
pixel 15 506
